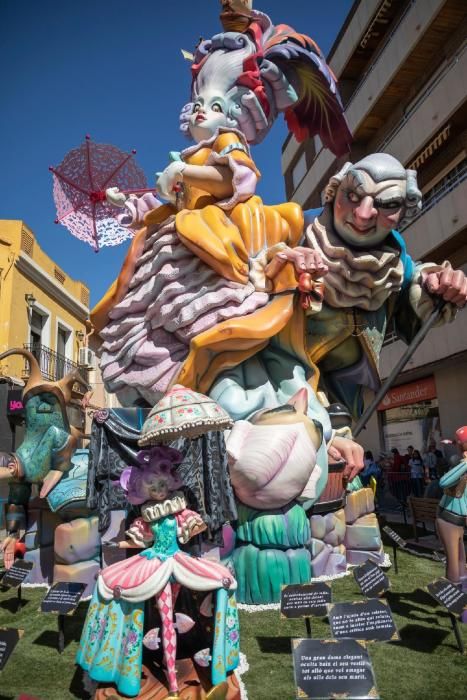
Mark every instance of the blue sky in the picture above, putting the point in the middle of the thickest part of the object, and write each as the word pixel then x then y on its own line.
pixel 113 70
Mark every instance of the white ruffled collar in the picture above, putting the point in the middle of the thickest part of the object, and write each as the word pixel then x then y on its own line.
pixel 154 510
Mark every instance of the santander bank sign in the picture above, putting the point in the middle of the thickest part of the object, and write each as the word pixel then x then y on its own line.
pixel 421 390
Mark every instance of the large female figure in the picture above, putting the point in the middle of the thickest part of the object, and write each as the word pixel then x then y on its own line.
pixel 452 513
pixel 206 283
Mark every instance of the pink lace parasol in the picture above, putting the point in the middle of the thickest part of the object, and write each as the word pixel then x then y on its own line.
pixel 79 185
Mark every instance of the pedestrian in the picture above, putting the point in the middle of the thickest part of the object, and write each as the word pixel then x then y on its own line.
pixel 371 469
pixel 397 479
pixel 397 460
pixel 408 455
pixel 430 462
pixel 416 473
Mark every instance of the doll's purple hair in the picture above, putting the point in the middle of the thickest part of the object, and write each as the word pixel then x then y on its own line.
pixel 156 462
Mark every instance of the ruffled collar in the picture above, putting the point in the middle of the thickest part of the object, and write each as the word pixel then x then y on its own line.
pixel 363 279
pixel 154 510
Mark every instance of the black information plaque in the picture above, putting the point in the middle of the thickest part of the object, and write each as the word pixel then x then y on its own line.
pixel 63 598
pixel 327 668
pixel 8 640
pixel 305 600
pixel 371 580
pixel 370 620
pixel 16 574
pixel 448 595
pixel 394 536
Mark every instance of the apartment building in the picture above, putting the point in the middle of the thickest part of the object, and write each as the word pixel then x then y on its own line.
pixel 402 71
pixel 43 310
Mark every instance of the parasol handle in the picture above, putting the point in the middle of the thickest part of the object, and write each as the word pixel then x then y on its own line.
pixel 140 191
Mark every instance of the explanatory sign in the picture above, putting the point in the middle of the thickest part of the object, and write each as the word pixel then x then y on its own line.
pixel 372 581
pixel 63 598
pixel 8 640
pixel 448 595
pixel 394 536
pixel 305 600
pixel 328 668
pixel 17 573
pixel 370 620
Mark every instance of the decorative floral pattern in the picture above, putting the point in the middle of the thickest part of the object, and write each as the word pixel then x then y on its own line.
pixel 183 412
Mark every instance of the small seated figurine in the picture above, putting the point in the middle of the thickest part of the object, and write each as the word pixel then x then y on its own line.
pixel 452 513
pixel 112 640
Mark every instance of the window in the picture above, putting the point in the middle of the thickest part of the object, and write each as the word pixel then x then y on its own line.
pixel 61 341
pixel 27 242
pixel 299 171
pixel 36 326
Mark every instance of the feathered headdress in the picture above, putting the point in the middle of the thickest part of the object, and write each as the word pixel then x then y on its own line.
pixel 318 109
pixel 280 71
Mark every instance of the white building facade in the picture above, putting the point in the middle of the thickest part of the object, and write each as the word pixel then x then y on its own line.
pixel 402 72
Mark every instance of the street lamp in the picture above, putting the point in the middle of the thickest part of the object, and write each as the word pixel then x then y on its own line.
pixel 30 300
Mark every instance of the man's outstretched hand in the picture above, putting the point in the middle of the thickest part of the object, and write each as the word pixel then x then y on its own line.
pixel 343 449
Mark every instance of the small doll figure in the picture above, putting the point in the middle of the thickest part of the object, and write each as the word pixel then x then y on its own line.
pixel 112 640
pixel 452 513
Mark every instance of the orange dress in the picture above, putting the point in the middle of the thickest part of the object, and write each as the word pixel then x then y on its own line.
pixel 192 296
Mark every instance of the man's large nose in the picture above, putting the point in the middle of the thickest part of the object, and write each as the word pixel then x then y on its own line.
pixel 366 209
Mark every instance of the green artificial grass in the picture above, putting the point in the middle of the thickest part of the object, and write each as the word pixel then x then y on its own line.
pixel 426 662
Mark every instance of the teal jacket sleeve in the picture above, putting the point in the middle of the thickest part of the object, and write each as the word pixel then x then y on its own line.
pixel 453 475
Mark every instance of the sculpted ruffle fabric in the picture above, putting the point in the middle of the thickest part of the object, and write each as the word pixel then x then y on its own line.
pixel 172 297
pixel 363 279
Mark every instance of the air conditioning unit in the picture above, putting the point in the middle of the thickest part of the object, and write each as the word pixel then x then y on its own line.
pixel 87 358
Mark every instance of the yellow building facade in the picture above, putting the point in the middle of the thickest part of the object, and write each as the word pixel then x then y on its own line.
pixel 41 307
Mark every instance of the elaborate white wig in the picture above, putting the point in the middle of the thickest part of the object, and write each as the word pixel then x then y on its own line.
pixel 266 70
pixel 380 167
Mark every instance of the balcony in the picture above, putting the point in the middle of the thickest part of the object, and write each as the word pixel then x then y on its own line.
pixel 432 108
pixel 448 202
pixel 53 366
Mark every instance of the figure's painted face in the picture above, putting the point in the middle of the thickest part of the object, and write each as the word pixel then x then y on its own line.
pixel 209 113
pixel 365 211
pixel 157 488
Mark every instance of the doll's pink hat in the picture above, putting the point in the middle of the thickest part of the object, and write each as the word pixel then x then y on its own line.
pixel 182 412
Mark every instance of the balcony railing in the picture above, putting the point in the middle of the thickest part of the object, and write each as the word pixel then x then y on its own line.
pixel 447 184
pixel 378 53
pixel 53 366
pixel 421 98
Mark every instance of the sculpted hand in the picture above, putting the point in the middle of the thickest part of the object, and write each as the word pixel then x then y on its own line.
pixel 303 260
pixel 115 197
pixel 449 284
pixel 167 181
pixel 349 451
pixel 8 548
pixel 86 400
